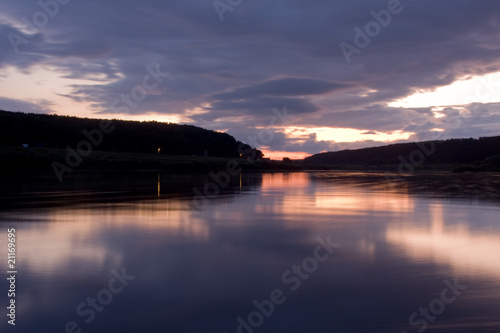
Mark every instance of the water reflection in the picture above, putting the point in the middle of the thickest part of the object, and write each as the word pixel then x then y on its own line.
pixel 449 237
pixel 199 269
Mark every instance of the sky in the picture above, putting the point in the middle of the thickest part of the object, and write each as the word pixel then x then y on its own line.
pixel 292 77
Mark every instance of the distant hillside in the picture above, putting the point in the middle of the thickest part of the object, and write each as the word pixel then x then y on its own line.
pixel 453 152
pixel 52 131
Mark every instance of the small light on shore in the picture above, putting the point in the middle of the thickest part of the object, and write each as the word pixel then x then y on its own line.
pixel 159 149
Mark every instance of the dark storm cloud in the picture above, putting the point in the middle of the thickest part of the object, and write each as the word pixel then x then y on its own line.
pixel 264 105
pixel 282 87
pixel 264 55
pixel 379 118
pixel 7 55
pixel 261 98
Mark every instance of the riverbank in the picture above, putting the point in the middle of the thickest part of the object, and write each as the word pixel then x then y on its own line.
pixel 46 159
pixel 59 161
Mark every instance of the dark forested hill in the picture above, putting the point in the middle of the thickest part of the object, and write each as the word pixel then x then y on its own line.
pixel 52 131
pixel 430 153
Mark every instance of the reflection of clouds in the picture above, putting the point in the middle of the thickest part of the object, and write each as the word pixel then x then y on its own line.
pixel 69 239
pixel 218 260
pixel 343 201
pixel 467 252
pixel 78 237
pixel 298 196
pixel 295 200
pixel 89 234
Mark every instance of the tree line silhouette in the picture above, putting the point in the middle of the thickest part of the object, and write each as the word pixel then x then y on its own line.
pixel 447 152
pixel 54 131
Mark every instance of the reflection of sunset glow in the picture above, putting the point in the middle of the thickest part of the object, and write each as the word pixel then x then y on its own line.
pixel 364 202
pixel 337 199
pixel 466 251
pixel 281 180
pixel 291 200
pixel 74 234
pixel 65 243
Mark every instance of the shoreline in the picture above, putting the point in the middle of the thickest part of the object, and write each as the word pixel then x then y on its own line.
pixel 20 159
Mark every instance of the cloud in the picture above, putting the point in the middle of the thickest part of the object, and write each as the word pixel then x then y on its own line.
pixel 282 87
pixel 261 106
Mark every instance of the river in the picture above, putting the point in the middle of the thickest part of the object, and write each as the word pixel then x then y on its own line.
pixel 261 252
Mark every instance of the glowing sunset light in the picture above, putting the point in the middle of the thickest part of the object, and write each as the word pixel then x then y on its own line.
pixel 345 134
pixel 278 155
pixel 476 89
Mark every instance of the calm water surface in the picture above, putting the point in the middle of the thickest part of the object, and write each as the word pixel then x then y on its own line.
pixel 273 252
